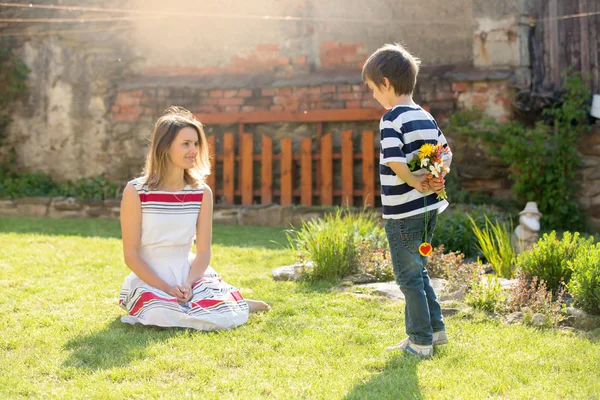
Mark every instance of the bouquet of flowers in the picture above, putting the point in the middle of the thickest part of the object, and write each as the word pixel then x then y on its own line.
pixel 431 158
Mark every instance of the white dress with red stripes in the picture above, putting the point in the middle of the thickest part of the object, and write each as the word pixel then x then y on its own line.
pixel 168 232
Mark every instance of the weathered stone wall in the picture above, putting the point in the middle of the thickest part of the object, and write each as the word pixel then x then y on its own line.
pixel 589 176
pixel 95 92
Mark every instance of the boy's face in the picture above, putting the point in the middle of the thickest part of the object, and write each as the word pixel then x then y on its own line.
pixel 384 94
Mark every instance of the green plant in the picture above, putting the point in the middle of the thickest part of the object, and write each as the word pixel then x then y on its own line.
pixel 331 244
pixel 531 296
pixel 543 158
pixel 495 244
pixel 454 230
pixel 34 184
pixel 38 184
pixel 549 258
pixel 585 279
pixel 486 295
pixel 375 260
pixel 452 267
pixel 97 188
pixel 13 87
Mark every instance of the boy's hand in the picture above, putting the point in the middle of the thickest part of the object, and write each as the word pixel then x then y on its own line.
pixel 437 185
pixel 419 183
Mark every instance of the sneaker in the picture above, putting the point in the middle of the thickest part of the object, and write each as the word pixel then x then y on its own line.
pixel 440 338
pixel 409 347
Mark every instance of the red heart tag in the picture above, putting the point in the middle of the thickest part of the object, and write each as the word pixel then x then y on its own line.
pixel 425 249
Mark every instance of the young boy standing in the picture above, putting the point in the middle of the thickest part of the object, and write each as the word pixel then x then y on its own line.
pixel 409 199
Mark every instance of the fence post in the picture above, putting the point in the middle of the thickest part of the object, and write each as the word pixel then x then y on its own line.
pixel 368 173
pixel 247 164
pixel 228 167
pixel 326 171
pixel 347 169
pixel 211 179
pixel 286 171
pixel 306 172
pixel 266 168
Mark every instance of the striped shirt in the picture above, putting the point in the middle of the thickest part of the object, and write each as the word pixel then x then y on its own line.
pixel 404 129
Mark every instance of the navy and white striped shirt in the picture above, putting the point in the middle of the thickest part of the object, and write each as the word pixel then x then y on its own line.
pixel 404 129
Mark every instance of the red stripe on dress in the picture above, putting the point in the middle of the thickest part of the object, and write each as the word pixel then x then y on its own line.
pixel 236 295
pixel 146 297
pixel 206 303
pixel 170 198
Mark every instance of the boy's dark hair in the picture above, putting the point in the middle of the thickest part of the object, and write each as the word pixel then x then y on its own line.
pixel 395 63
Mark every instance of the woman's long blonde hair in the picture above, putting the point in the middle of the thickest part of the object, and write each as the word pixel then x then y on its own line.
pixel 166 129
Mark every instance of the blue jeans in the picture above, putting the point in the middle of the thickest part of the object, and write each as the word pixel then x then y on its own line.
pixel 422 312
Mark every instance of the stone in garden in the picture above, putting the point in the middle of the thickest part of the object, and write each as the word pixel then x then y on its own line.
pixel 392 291
pixel 361 278
pixel 581 320
pixel 289 272
pixel 448 312
pixel 514 317
pixel 508 284
pixel 457 295
pixel 539 319
pixel 8 207
pixel 527 232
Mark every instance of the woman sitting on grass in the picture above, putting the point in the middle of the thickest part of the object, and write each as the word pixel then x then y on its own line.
pixel 161 214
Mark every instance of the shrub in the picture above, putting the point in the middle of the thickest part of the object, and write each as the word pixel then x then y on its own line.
pixel 549 258
pixel 529 149
pixel 531 296
pixel 332 244
pixel 486 295
pixel 14 185
pixel 454 229
pixel 452 267
pixel 375 260
pixel 585 280
pixel 495 245
pixel 34 184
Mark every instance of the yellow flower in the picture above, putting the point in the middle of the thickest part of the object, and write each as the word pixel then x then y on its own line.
pixel 426 150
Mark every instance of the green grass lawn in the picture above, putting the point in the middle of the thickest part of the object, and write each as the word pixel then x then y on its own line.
pixel 61 337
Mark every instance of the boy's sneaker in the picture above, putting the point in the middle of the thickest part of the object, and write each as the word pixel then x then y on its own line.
pixel 439 338
pixel 409 347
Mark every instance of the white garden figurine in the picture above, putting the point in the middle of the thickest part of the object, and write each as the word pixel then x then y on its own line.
pixel 527 232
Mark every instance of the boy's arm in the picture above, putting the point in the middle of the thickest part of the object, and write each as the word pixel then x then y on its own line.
pixel 393 155
pixel 403 172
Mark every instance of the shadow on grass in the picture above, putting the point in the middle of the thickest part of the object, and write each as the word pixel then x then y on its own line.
pixel 115 346
pixel 224 235
pixel 398 380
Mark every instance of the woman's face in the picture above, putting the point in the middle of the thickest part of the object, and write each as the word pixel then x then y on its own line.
pixel 184 149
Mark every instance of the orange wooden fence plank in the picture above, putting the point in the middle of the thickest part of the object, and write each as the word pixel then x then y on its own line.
pixel 326 171
pixel 347 169
pixel 228 167
pixel 211 179
pixel 266 167
pixel 286 171
pixel 247 151
pixel 369 114
pixel 306 173
pixel 368 173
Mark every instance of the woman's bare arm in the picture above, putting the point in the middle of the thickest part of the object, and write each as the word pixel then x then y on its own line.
pixel 131 228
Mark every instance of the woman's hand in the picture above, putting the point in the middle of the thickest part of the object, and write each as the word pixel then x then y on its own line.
pixel 186 288
pixel 180 293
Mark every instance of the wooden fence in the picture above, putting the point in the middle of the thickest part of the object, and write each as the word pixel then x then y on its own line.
pixel 567 34
pixel 305 177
